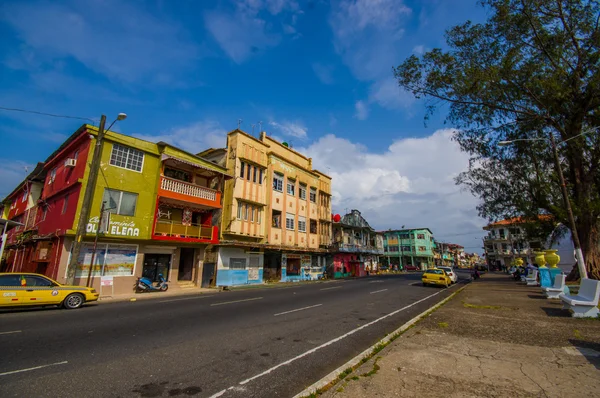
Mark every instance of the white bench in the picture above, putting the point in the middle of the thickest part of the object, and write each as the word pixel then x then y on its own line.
pixel 585 303
pixel 554 291
pixel 533 280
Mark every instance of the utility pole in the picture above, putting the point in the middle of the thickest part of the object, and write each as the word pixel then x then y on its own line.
pixel 87 203
pixel 578 253
pixel 95 245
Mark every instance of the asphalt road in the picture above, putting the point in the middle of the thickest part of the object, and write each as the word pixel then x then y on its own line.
pixel 268 342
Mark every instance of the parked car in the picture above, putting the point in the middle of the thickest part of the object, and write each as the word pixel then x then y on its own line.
pixel 451 273
pixel 28 289
pixel 412 268
pixel 436 276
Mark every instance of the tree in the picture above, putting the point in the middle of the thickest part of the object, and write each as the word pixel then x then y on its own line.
pixel 532 69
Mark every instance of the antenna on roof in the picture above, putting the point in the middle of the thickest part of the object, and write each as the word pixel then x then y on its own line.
pixel 260 126
pixel 239 123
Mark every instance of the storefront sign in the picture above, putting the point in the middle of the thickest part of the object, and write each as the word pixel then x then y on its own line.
pixel 106 280
pixel 116 228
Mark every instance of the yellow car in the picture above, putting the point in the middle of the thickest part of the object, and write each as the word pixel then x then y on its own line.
pixel 436 276
pixel 27 289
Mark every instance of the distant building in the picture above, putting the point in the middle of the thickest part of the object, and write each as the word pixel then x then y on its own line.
pixel 404 247
pixel 506 241
pixel 356 245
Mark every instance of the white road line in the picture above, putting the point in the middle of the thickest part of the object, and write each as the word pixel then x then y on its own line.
pixel 34 368
pixel 378 291
pixel 376 282
pixel 298 309
pixel 236 301
pixel 181 299
pixel 329 288
pixel 11 332
pixel 313 350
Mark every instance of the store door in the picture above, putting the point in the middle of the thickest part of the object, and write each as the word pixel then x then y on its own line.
pixel 186 265
pixel 155 265
pixel 208 274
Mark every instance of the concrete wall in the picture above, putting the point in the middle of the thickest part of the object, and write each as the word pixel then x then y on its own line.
pixel 231 277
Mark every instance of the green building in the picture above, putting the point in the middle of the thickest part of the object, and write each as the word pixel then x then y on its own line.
pixel 404 247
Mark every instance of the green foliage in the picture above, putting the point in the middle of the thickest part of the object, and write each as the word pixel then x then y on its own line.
pixel 532 69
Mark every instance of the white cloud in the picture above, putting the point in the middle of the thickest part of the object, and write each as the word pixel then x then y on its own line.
pixel 367 35
pixel 246 30
pixel 419 50
pixel 411 183
pixel 388 94
pixel 362 110
pixel 193 138
pixel 291 129
pixel 323 72
pixel 116 39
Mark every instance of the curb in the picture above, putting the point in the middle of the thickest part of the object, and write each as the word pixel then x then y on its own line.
pixel 332 377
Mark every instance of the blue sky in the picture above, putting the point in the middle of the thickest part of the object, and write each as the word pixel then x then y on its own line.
pixel 317 74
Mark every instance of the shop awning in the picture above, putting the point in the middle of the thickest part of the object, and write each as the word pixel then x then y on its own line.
pixel 196 165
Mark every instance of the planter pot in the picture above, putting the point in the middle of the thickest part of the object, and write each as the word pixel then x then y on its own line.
pixel 552 258
pixel 540 259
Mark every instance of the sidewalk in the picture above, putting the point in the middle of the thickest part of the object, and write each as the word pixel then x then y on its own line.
pixel 496 338
pixel 176 292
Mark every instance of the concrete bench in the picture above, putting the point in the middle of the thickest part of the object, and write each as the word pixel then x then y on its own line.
pixel 554 291
pixel 585 303
pixel 532 281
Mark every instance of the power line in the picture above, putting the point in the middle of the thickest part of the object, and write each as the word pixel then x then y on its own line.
pixel 45 114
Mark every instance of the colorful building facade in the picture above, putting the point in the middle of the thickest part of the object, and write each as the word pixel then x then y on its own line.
pixel 356 246
pixel 276 221
pixel 406 247
pixel 159 205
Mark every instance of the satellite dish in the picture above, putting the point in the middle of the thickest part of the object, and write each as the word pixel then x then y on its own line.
pixel 285 144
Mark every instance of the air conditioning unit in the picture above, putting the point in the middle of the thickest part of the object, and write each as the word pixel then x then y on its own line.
pixel 70 162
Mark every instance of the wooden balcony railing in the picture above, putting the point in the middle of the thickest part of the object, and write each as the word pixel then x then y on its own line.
pixel 185 188
pixel 178 230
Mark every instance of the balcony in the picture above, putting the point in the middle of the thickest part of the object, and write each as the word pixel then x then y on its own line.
pixel 191 193
pixel 351 248
pixel 171 230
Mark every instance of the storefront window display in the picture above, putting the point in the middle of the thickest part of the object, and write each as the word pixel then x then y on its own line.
pixel 110 260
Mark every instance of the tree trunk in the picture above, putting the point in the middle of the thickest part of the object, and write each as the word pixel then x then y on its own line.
pixel 589 238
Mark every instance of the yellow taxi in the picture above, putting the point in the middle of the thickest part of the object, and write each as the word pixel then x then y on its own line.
pixel 436 276
pixel 28 289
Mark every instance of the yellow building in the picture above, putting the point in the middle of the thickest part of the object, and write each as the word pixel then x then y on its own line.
pixel 276 221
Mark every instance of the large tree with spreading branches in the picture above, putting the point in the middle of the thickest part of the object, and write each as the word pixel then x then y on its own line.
pixel 531 70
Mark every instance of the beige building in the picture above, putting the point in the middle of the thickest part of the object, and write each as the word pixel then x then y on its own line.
pixel 276 220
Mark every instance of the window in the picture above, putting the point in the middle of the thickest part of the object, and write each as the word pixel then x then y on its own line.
pixel 254 261
pixel 289 221
pixel 301 224
pixel 420 236
pixel 302 192
pixel 313 226
pixel 405 248
pixel 239 211
pixel 260 176
pixel 255 174
pixel 242 169
pixel 10 280
pixel 178 174
pixel 119 202
pixel 258 211
pixel 278 182
pixel 251 208
pixel 245 211
pixel 65 204
pixel 31 280
pixel 237 263
pixel 291 187
pixel 422 248
pixel 313 195
pixel 24 198
pixel 52 176
pixel 276 216
pixel 393 249
pixel 404 236
pixel 248 175
pixel 127 158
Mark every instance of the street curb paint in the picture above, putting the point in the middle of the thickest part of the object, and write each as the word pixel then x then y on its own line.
pixel 332 377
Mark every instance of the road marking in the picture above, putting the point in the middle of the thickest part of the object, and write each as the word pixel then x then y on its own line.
pixel 34 368
pixel 378 291
pixel 299 309
pixel 376 282
pixel 11 332
pixel 335 287
pixel 236 301
pixel 330 342
pixel 181 299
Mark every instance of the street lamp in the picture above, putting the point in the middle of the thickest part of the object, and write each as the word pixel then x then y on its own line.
pixel 565 195
pixel 87 198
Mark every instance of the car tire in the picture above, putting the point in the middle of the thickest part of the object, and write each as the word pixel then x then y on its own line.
pixel 73 301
